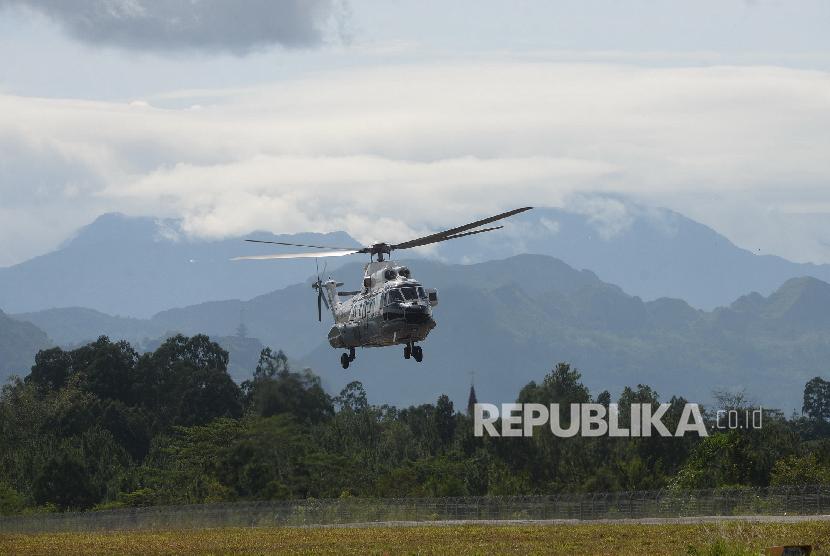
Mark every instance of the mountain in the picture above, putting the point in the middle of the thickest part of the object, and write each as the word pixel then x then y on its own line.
pixel 511 333
pixel 511 320
pixel 138 266
pixel 649 252
pixel 19 342
pixel 74 326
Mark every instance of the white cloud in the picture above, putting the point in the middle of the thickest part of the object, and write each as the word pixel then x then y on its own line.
pixel 392 151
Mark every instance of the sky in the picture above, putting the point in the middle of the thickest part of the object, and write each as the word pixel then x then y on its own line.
pixel 388 118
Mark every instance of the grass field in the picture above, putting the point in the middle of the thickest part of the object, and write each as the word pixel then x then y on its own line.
pixel 705 539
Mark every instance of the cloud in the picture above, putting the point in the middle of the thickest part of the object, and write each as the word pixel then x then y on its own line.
pixel 608 215
pixel 389 152
pixel 211 25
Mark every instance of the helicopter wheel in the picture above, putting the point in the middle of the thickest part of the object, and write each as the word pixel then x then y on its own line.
pixel 344 360
pixel 418 353
pixel 351 354
pixel 407 351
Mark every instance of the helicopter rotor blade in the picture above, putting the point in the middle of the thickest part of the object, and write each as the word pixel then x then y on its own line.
pixel 323 297
pixel 456 236
pixel 319 306
pixel 380 249
pixel 458 231
pixel 296 255
pixel 297 244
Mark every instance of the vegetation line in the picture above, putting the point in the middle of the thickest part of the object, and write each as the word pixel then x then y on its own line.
pixel 102 427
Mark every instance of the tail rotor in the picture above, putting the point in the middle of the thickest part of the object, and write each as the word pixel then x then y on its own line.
pixel 321 299
pixel 319 285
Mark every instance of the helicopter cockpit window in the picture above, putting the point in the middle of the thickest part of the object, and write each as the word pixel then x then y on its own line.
pixel 409 293
pixel 421 293
pixel 395 296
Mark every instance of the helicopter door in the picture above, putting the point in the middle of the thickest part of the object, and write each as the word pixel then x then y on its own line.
pixel 369 303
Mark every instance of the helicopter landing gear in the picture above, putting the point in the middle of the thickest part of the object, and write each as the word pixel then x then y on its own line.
pixel 347 358
pixel 413 351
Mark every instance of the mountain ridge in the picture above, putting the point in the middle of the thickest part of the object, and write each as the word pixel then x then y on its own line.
pixel 19 342
pixel 139 266
pixel 514 318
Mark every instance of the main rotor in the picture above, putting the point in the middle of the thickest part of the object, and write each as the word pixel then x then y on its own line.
pixel 379 250
pixel 382 250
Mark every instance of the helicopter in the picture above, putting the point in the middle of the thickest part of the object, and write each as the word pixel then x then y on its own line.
pixel 391 308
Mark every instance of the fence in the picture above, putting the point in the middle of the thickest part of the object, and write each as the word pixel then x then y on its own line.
pixel 343 511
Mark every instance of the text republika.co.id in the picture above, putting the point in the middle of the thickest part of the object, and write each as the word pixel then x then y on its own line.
pixel 593 419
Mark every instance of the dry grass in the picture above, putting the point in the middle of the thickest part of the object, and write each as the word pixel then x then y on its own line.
pixel 725 538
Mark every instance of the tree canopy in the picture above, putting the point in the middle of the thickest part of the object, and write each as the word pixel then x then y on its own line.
pixel 104 426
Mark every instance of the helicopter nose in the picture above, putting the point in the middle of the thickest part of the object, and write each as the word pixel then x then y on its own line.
pixel 416 314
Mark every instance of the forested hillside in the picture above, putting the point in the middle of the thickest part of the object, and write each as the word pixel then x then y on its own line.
pixel 19 342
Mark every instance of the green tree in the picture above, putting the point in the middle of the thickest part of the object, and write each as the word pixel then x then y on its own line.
pixel 51 369
pixel 352 397
pixel 271 364
pixel 817 399
pixel 63 481
pixel 11 502
pixel 803 470
pixel 186 382
pixel 445 420
pixel 275 390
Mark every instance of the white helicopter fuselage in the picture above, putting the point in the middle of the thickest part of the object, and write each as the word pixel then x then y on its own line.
pixel 391 308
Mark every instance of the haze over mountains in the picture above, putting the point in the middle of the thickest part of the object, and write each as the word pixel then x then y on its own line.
pixel 649 252
pixel 139 266
pixel 509 320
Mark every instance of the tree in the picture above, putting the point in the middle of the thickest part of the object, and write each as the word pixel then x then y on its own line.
pixel 107 369
pixel 546 459
pixel 299 394
pixel 190 464
pixel 103 368
pixel 562 385
pixel 271 364
pixel 51 369
pixel 10 500
pixel 352 397
pixel 800 471
pixel 817 399
pixel 643 394
pixel 64 481
pixel 444 419
pixel 186 382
